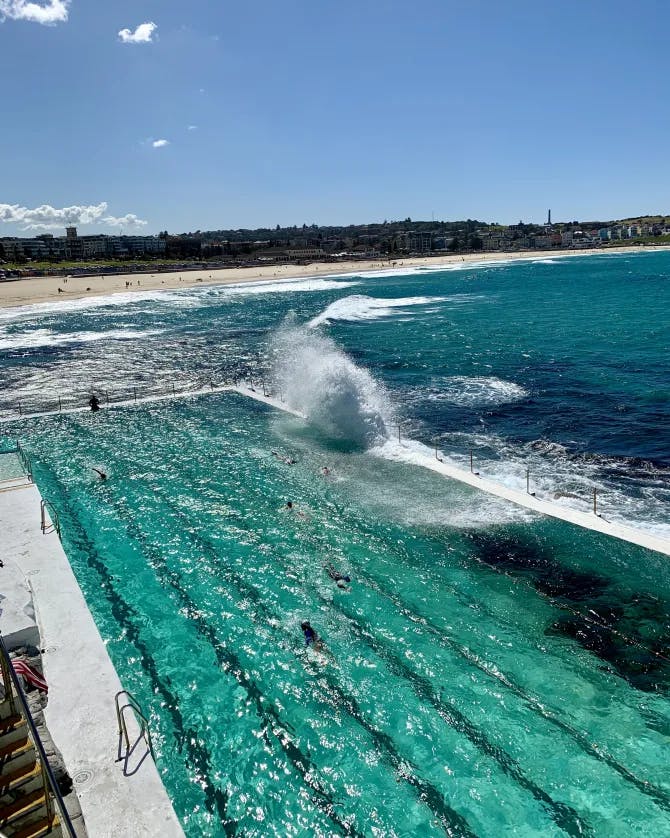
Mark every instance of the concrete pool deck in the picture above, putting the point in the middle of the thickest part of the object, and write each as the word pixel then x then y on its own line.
pixel 80 714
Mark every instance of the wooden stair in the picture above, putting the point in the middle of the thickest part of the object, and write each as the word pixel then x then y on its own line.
pixel 23 798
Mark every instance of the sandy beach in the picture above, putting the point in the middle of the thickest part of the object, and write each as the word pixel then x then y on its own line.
pixel 42 289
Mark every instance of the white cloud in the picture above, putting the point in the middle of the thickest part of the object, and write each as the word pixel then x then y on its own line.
pixel 143 34
pixel 47 217
pixel 192 128
pixel 47 13
pixel 160 143
pixel 127 220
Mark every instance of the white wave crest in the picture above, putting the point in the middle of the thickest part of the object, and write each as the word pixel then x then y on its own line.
pixel 45 337
pixel 283 286
pixel 320 381
pixel 85 304
pixel 360 307
pixel 478 391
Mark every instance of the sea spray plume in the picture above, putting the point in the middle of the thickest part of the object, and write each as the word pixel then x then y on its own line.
pixel 321 381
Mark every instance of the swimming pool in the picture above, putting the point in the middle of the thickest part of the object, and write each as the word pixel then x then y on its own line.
pixel 490 672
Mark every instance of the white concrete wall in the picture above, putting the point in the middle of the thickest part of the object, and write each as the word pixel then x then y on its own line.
pixel 82 681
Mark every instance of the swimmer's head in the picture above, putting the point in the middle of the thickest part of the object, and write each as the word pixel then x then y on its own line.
pixel 289 504
pixel 304 626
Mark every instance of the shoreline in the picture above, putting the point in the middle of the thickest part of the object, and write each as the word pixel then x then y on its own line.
pixel 44 289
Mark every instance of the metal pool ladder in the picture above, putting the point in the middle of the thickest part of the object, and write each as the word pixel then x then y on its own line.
pixel 123 701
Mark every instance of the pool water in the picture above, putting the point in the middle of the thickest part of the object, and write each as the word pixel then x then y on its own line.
pixel 475 680
pixel 488 672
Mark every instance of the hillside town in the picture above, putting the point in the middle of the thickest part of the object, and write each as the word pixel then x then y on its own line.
pixel 386 240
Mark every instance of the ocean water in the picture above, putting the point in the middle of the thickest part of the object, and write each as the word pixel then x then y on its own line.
pixel 488 672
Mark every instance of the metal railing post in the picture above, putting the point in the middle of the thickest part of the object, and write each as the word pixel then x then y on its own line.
pixel 60 406
pixel 595 501
pixel 135 394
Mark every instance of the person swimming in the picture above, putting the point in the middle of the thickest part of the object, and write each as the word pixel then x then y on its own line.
pixel 311 637
pixel 94 403
pixel 290 461
pixel 340 579
pixel 102 474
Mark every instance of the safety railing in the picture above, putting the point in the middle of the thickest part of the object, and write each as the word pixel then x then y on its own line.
pixel 253 377
pixel 25 461
pixel 49 520
pixel 124 701
pixel 590 498
pixel 19 706
pixel 105 397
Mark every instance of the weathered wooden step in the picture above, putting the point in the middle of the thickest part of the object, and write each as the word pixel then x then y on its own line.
pixel 25 805
pixel 11 729
pixel 20 777
pixel 44 826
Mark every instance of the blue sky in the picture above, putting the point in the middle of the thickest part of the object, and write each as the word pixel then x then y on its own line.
pixel 322 112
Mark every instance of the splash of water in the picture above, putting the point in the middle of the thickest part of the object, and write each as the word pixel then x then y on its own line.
pixel 318 379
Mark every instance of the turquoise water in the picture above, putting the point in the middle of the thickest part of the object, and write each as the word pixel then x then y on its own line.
pixel 489 672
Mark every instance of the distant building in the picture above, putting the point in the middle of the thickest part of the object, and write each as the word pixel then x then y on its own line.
pixel 420 242
pixel 74 247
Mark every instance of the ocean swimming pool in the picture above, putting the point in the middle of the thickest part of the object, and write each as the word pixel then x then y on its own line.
pixel 489 673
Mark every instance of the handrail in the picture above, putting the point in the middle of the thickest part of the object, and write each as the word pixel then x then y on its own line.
pixel 25 460
pixel 47 506
pixel 145 732
pixel 48 778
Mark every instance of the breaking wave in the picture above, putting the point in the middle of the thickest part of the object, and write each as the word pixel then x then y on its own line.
pixel 359 307
pixel 45 337
pixel 319 380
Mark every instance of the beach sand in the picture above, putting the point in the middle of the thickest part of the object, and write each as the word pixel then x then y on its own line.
pixel 30 290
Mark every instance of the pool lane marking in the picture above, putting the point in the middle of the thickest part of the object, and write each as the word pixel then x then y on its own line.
pixel 451 821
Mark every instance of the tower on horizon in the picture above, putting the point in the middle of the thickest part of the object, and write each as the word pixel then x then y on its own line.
pixel 549 217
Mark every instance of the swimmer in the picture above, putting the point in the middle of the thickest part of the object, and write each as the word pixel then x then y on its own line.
pixel 311 637
pixel 102 474
pixel 291 508
pixel 325 472
pixel 290 461
pixel 338 578
pixel 94 403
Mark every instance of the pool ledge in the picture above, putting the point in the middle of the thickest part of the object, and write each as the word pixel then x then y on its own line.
pixel 80 714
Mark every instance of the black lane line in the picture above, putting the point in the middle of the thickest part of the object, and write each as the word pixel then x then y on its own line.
pixel 216 800
pixel 580 739
pixel 656 793
pixel 452 822
pixel 232 665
